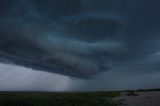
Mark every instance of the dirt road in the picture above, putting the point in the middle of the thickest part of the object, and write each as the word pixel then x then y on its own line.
pixel 143 99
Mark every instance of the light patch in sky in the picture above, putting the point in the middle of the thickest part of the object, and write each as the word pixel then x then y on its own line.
pixel 16 78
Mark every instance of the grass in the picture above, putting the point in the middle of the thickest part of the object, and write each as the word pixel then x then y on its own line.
pixel 57 99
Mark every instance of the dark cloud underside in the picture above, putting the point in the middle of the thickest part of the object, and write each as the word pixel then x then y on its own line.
pixel 79 38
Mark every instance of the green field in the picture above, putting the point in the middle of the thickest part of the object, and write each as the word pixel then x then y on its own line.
pixel 57 99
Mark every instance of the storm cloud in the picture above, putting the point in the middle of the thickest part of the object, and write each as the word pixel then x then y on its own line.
pixel 59 36
pixel 83 39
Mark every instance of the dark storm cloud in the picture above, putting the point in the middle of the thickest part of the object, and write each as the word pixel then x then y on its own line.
pixel 78 38
pixel 58 36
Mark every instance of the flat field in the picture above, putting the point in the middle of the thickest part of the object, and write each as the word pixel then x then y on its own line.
pixel 57 98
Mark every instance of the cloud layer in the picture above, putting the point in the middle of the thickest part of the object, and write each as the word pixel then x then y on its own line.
pixel 59 38
pixel 77 38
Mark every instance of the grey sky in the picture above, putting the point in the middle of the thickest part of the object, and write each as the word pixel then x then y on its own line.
pixel 79 44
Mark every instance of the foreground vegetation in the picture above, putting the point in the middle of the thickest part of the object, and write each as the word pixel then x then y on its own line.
pixel 57 99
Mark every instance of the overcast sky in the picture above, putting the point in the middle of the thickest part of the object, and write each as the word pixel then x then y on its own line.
pixel 74 45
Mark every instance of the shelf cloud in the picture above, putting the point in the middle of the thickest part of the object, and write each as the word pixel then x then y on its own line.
pixel 78 38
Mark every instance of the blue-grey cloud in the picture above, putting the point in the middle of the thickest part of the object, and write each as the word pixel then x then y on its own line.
pixel 77 38
pixel 58 37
